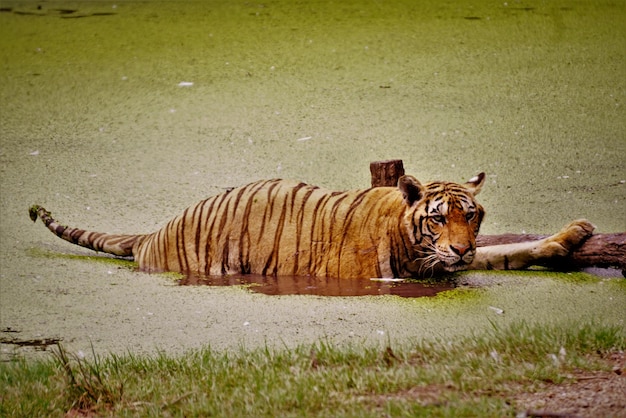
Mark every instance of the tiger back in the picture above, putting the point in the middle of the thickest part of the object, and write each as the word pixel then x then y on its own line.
pixel 279 227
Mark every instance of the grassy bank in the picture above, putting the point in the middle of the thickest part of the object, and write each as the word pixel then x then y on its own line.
pixel 480 375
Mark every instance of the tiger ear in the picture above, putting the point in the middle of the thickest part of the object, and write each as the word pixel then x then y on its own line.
pixel 412 190
pixel 475 183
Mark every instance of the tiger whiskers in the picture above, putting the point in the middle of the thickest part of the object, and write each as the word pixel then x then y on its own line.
pixel 428 261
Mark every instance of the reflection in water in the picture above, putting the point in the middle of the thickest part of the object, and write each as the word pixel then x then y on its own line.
pixel 321 286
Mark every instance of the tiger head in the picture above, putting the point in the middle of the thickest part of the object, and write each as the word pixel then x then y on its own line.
pixel 442 221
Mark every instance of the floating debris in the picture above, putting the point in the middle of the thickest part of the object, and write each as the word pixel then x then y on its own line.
pixel 38 343
pixel 497 310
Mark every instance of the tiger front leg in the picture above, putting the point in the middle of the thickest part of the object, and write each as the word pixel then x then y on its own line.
pixel 546 252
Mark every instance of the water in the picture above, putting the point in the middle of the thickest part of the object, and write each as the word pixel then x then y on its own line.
pixel 530 96
pixel 302 285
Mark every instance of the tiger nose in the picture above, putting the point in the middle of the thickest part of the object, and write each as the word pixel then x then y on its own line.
pixel 460 249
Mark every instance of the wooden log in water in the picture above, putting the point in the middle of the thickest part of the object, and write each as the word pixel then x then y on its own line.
pixel 599 250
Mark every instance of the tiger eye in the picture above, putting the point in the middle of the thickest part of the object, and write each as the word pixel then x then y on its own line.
pixel 440 219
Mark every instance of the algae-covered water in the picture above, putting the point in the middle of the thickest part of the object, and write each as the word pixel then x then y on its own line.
pixel 117 115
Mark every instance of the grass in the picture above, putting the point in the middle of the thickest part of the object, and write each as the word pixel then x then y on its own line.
pixel 471 376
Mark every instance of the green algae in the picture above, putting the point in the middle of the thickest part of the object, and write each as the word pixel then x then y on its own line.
pixel 95 125
pixel 458 294
pixel 96 258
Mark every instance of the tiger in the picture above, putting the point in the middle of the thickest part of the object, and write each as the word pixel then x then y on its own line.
pixel 281 227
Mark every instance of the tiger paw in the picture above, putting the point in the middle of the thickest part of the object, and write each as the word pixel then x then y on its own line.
pixel 567 239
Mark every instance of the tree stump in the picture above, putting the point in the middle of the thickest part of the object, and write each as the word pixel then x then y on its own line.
pixel 386 173
pixel 599 250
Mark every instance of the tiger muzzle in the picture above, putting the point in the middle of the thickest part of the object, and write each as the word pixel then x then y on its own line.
pixel 458 258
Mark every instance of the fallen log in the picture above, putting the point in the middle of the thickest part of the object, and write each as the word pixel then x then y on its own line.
pixel 599 250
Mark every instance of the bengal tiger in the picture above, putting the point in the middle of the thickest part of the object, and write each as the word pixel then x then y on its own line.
pixel 278 227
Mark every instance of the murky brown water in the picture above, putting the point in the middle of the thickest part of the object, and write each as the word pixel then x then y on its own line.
pixel 300 285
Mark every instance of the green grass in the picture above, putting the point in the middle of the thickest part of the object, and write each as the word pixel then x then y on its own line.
pixel 467 377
